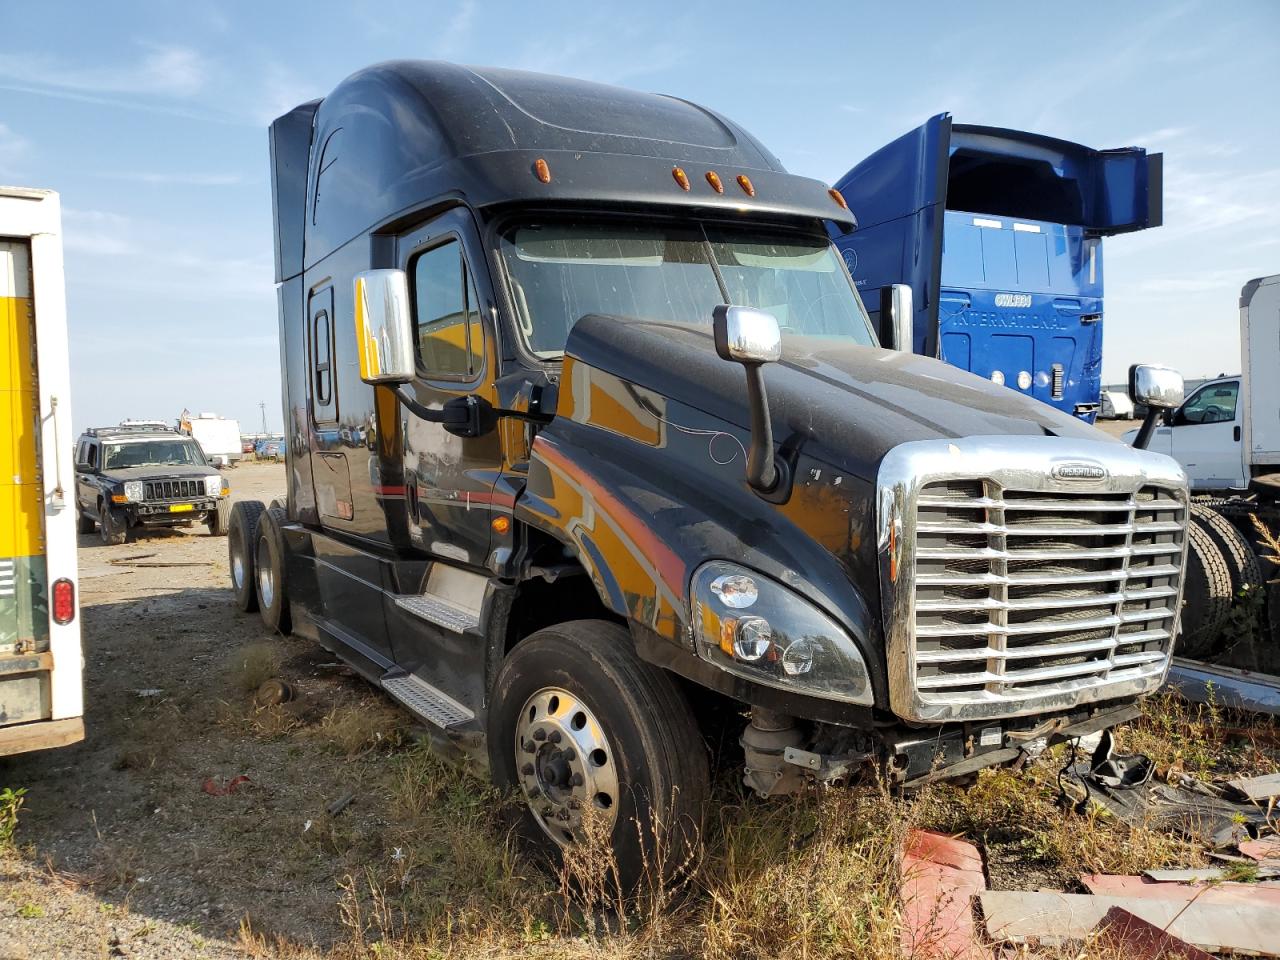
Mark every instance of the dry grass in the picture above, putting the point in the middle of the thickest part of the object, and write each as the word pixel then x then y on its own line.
pixel 254 664
pixel 362 727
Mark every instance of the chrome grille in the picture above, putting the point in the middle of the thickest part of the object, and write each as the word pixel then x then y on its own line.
pixel 174 489
pixel 1022 594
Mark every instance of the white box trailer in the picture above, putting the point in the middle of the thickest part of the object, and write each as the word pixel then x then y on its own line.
pixel 218 437
pixel 41 697
pixel 1260 386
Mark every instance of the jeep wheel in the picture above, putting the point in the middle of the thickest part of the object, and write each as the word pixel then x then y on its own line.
pixel 242 538
pixel 219 519
pixel 582 727
pixel 112 527
pixel 85 523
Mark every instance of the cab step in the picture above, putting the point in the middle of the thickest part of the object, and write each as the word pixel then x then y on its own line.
pixel 441 612
pixel 432 705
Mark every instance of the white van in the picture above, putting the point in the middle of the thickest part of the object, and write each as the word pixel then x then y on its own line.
pixel 1115 405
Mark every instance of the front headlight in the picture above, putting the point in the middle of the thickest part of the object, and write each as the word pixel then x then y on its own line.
pixel 757 629
pixel 212 486
pixel 133 491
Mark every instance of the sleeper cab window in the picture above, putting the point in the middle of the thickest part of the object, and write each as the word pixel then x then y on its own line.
pixel 450 342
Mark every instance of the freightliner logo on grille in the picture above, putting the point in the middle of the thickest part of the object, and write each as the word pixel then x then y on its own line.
pixel 1078 470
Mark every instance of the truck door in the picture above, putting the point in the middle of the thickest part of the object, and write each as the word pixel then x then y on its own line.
pixel 1206 437
pixel 449 479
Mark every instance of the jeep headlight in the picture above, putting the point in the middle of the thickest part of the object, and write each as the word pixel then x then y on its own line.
pixel 213 486
pixel 133 491
pixel 757 629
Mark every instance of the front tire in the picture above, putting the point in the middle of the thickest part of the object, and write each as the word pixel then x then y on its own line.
pixel 219 519
pixel 578 721
pixel 113 527
pixel 85 523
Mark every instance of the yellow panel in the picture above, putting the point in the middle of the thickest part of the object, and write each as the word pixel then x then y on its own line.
pixel 21 505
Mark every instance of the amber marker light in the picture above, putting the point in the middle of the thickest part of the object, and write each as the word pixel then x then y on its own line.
pixel 680 177
pixel 747 186
pixel 501 525
pixel 838 197
pixel 893 550
pixel 713 178
pixel 541 170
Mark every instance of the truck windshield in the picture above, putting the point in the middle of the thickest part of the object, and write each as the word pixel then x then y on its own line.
pixel 561 273
pixel 151 453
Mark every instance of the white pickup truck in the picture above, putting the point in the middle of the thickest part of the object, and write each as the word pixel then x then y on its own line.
pixel 1226 434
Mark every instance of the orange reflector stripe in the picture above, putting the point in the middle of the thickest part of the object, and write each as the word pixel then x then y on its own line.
pixel 893 550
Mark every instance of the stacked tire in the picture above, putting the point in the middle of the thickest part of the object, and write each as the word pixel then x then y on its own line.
pixel 1222 569
pixel 256 559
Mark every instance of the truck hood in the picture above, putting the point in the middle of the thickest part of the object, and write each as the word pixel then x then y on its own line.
pixel 853 403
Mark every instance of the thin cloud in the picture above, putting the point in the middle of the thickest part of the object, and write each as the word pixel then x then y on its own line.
pixel 178 179
pixel 13 148
pixel 168 71
pixel 97 232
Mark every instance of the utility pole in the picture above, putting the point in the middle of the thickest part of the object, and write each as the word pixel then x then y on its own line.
pixel 262 405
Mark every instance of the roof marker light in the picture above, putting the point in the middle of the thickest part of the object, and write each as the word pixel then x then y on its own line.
pixel 680 177
pixel 838 197
pixel 713 178
pixel 541 170
pixel 745 183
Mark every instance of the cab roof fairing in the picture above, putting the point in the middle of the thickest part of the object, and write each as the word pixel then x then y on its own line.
pixel 406 133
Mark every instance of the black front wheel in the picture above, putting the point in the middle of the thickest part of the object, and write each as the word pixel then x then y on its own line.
pixel 599 744
pixel 113 526
pixel 269 569
pixel 85 523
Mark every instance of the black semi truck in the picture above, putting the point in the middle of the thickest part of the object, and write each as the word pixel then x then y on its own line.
pixel 592 446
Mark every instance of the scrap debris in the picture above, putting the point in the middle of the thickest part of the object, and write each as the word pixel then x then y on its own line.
pixel 214 789
pixel 940 877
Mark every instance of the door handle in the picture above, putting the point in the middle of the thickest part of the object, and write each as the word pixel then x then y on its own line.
pixel 1236 433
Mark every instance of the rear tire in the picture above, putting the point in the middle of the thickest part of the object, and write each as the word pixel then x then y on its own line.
pixel 219 519
pixel 85 523
pixel 645 764
pixel 242 538
pixel 113 527
pixel 1207 596
pixel 268 563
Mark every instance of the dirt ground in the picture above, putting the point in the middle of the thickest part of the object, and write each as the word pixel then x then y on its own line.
pixel 122 850
pixel 349 839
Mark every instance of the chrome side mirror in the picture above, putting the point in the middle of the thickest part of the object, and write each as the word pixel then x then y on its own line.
pixel 896 314
pixel 384 327
pixel 1159 387
pixel 746 335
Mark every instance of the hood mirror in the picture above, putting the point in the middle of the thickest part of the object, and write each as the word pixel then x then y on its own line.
pixel 1159 389
pixel 751 337
pixel 896 314
pixel 384 327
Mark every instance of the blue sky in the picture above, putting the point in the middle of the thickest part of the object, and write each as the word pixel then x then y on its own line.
pixel 150 119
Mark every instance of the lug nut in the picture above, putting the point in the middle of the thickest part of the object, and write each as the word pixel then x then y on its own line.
pixel 526 746
pixel 554 737
pixel 527 770
pixel 569 755
pixel 539 735
pixel 576 780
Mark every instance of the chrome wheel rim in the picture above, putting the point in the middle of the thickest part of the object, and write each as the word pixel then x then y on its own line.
pixel 266 582
pixel 237 566
pixel 565 765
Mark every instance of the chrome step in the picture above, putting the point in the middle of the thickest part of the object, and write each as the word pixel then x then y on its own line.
pixel 440 612
pixel 426 701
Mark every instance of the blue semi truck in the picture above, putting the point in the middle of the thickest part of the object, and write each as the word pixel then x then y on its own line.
pixel 998 235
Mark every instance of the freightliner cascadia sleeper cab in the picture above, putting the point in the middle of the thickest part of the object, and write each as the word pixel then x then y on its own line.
pixel 590 438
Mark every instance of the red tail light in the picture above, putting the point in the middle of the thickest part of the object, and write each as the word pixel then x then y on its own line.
pixel 64 601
